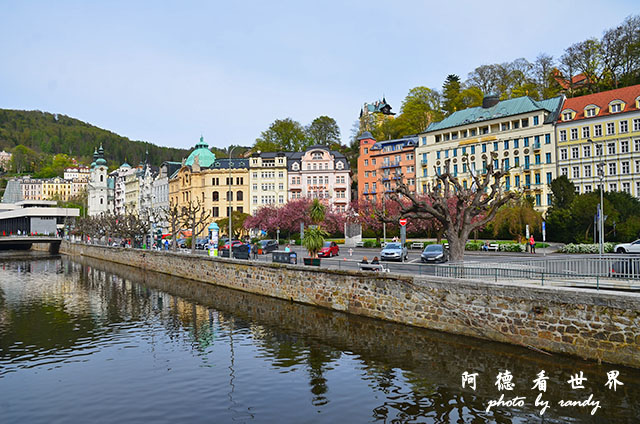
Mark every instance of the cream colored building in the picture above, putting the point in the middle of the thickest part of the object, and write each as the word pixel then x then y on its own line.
pixel 516 135
pixel 268 180
pixel 610 119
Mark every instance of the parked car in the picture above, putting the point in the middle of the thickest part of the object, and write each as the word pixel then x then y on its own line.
pixel 268 245
pixel 182 243
pixel 633 247
pixel 329 249
pixel 394 252
pixel 202 243
pixel 434 253
pixel 234 243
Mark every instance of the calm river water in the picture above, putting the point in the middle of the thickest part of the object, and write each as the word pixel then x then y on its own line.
pixel 85 341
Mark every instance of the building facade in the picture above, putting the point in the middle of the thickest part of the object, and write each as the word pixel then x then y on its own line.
pixel 220 185
pixel 515 135
pixel 320 173
pixel 268 180
pixel 381 164
pixel 601 128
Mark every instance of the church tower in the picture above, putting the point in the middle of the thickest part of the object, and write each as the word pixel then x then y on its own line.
pixel 98 188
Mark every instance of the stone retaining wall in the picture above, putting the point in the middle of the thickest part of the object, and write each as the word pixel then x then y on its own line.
pixel 594 325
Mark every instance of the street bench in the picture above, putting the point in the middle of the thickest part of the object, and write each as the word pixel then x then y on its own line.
pixel 372 267
pixel 493 246
pixel 417 245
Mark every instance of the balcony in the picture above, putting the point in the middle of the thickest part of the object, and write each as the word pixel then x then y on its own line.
pixel 391 165
pixel 423 162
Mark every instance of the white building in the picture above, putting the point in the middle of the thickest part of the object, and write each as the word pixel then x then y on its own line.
pixel 99 192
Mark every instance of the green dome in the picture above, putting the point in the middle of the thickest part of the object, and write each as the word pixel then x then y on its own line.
pixel 205 157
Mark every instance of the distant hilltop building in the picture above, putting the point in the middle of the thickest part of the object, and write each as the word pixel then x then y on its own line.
pixel 372 115
pixel 5 158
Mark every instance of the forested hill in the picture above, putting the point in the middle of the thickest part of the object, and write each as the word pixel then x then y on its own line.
pixel 49 134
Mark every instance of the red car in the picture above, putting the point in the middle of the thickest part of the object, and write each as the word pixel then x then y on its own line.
pixel 235 244
pixel 329 249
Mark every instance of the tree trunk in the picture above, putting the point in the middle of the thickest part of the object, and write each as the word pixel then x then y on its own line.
pixel 456 247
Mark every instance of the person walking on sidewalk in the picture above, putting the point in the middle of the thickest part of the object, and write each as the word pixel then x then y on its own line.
pixel 532 244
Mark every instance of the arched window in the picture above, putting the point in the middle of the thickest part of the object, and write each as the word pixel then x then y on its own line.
pixel 215 196
pixel 229 196
pixel 101 178
pixel 239 196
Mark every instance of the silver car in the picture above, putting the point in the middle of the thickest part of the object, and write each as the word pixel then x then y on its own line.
pixel 394 252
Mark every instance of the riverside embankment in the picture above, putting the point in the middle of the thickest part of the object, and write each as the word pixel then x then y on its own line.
pixel 596 325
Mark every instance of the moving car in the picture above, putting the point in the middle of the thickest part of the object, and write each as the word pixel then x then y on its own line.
pixel 434 253
pixel 268 245
pixel 394 252
pixel 329 249
pixel 633 247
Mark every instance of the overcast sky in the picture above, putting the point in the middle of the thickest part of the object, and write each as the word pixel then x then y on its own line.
pixel 166 72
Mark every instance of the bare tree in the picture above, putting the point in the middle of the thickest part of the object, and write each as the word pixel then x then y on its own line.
pixel 542 68
pixel 173 215
pixel 194 216
pixel 458 209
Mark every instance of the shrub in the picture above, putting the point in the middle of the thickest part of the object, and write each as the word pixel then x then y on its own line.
pixel 586 248
pixel 368 243
pixel 473 245
pixel 512 247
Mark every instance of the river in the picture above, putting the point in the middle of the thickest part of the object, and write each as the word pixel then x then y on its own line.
pixel 82 340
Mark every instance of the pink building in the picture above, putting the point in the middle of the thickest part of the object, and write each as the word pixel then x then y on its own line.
pixel 320 173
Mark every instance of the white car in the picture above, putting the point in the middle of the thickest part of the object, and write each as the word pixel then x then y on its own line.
pixel 633 247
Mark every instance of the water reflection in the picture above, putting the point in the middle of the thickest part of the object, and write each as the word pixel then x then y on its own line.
pixel 272 360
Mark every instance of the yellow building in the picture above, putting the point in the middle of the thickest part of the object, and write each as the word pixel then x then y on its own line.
pixel 268 179
pixel 601 129
pixel 211 182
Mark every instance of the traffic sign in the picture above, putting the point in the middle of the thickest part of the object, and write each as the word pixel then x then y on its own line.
pixel 403 221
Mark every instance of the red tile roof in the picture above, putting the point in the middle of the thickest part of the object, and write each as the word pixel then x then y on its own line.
pixel 627 94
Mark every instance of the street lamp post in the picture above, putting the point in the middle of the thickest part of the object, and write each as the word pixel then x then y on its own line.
pixel 229 199
pixel 601 211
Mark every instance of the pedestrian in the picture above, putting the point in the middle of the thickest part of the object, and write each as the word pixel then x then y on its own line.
pixel 287 249
pixel 255 251
pixel 364 260
pixel 532 244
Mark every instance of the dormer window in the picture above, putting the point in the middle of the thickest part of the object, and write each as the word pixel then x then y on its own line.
pixel 317 156
pixel 296 166
pixel 567 116
pixel 590 112
pixel 616 107
pixel 339 165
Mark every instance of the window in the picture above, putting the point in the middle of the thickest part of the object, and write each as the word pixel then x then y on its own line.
pixel 624 167
pixel 505 126
pixel 473 132
pixel 624 126
pixel 516 143
pixel 215 196
pixel 611 148
pixel 626 187
pixel 410 156
pixel 424 141
pixel 624 146
pixel 547 139
pixel 495 146
pixel 597 130
pixel 636 124
pixel 586 151
pixel 255 200
pixel 616 108
pixel 516 161
pixel 574 133
pixel 587 171
pixel 612 168
pixel 638 168
pixel 563 135
pixel 517 181
pixel 438 155
pixel 537 179
pixel 410 169
pixel 590 112
pixel 587 188
pixel 563 154
pixel 526 142
pixel 575 152
pixel 215 212
pixel 549 177
pixel 566 116
pixel 366 162
pixel 506 144
pixel 611 128
pixel 613 187
pixel 575 172
pixel 564 171
pixel 366 150
pixel 585 132
pixel 535 120
pixel 598 149
pixel 547 157
pixel 637 145
pixel 455 152
pixel 229 196
pixel 373 162
pixel 537 159
pixel 484 148
pixel 525 122
pixel 473 148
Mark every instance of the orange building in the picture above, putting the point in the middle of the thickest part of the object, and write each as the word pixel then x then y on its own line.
pixel 382 163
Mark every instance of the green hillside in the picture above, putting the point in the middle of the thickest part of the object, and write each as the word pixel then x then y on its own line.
pixel 49 134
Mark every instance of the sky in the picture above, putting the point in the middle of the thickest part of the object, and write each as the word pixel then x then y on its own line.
pixel 167 72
